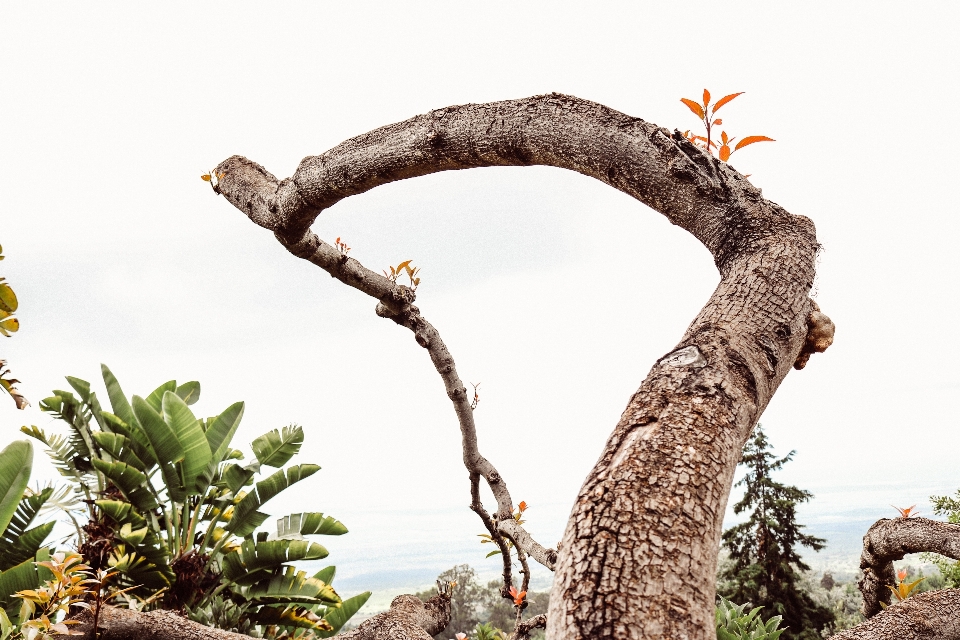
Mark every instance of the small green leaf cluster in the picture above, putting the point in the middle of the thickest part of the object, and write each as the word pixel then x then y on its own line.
pixel 174 509
pixel 734 623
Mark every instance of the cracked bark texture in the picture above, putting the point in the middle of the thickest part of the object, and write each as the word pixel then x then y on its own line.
pixel 926 616
pixel 889 540
pixel 638 558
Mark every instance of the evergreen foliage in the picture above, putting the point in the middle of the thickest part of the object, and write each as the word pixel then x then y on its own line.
pixel 765 566
pixel 950 569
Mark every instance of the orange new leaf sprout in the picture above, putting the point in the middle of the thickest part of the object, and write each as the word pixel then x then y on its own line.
pixel 517 596
pixel 709 119
pixel 342 247
pixel 520 509
pixel 903 589
pixel 400 268
pixel 212 177
pixel 906 513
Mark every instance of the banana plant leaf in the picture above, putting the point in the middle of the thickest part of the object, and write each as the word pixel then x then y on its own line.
pixel 338 616
pixel 257 561
pixel 131 482
pixel 189 392
pixel 118 401
pixel 82 387
pixel 121 448
pixel 18 542
pixel 275 448
pixel 155 399
pixel 16 462
pixel 290 616
pixel 221 431
pixel 136 440
pixel 196 450
pixel 241 523
pixel 291 587
pixel 297 525
pixel 21 577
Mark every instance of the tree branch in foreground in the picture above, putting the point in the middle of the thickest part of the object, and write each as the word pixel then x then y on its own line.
pixel 934 615
pixel 889 540
pixel 638 557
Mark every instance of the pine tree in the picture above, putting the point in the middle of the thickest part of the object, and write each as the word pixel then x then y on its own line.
pixel 765 566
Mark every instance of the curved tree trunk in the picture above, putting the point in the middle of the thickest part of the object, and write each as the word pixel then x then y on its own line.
pixel 638 558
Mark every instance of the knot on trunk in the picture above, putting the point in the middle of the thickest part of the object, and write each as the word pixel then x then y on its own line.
pixel 820 331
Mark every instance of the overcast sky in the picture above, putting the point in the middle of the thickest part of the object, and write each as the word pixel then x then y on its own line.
pixel 555 291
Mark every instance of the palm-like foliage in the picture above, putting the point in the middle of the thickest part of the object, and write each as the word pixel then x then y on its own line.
pixel 20 543
pixel 174 507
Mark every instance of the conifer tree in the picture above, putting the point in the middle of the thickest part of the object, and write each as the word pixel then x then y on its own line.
pixel 764 564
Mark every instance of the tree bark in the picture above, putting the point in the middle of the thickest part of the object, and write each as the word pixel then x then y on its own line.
pixel 638 558
pixel 926 616
pixel 890 540
pixel 124 624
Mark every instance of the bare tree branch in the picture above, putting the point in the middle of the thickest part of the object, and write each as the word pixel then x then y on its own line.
pixel 934 615
pixel 889 540
pixel 408 618
pixel 639 551
pixel 523 630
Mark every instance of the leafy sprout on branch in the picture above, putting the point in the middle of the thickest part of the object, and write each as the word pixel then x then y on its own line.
pixel 708 117
pixel 410 270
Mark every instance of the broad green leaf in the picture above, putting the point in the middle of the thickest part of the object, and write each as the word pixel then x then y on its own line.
pixel 136 439
pixel 130 481
pixel 19 578
pixel 293 586
pixel 18 542
pixel 27 545
pixel 256 561
pixel 134 537
pixel 118 401
pixel 221 431
pixel 82 387
pixel 263 491
pixel 275 448
pixel 297 525
pixel 326 574
pixel 155 399
pixel 187 428
pixel 119 447
pixel 16 461
pixel 189 392
pixel 338 616
pixel 235 477
pixel 290 616
pixel 121 512
pixel 163 439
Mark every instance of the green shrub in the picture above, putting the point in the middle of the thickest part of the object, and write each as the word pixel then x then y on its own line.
pixel 734 623
pixel 174 509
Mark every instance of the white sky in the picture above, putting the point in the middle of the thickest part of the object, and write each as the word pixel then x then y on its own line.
pixel 555 291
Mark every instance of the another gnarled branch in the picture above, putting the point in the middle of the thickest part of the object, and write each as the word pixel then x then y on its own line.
pixel 889 540
pixel 926 616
